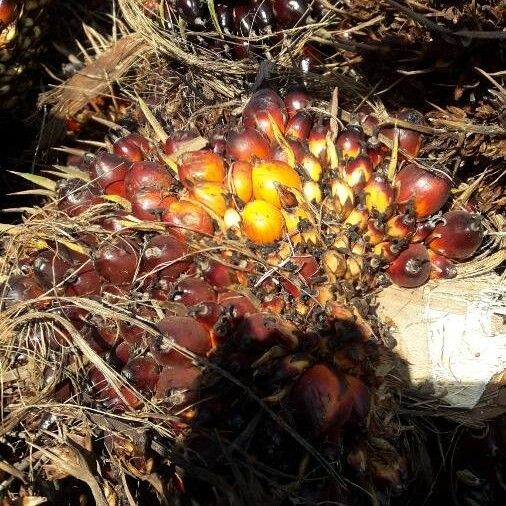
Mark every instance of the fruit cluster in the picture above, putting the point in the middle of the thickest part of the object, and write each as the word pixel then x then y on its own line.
pixel 318 378
pixel 243 26
pixel 325 205
pixel 236 268
pixel 22 26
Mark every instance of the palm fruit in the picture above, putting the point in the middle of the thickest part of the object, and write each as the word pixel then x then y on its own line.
pixel 22 26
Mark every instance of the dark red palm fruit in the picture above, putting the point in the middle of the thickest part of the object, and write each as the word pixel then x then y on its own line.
pixel 183 379
pixel 19 289
pixel 350 141
pixel 280 154
pixel 147 176
pixel 424 228
pixel 177 139
pixel 241 50
pixel 260 331
pixel 113 223
pixel 150 205
pixel 307 265
pixel 241 304
pixel 131 147
pixel 122 353
pixel 290 12
pixel 441 267
pixel 108 395
pixel 367 117
pixel 117 260
pixel 202 166
pixel 242 18
pixel 50 269
pixel 109 171
pixel 192 11
pixel 299 125
pixel 357 172
pixel 224 15
pixel 310 59
pixel 376 151
pixel 358 395
pixel 218 275
pixel 206 313
pixel 247 143
pixel 319 397
pixel 9 10
pixel 76 196
pixel 142 372
pixel 410 141
pixel 164 255
pixel 296 100
pixel 262 104
pixel 317 142
pixel 411 268
pixel 185 217
pixel 115 294
pixel 306 268
pixel 458 236
pixel 218 144
pixel 263 17
pixel 421 190
pixel 84 282
pixel 190 291
pixel 183 331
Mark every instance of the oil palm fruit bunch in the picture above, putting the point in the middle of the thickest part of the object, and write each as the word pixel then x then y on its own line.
pixel 22 26
pixel 223 287
pixel 240 22
pixel 334 207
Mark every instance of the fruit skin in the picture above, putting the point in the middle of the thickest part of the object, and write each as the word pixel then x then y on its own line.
pixel 241 181
pixel 147 175
pixel 441 267
pixel 269 176
pixel 411 268
pixel 85 282
pixel 262 104
pixel 184 217
pixel 299 125
pixel 185 332
pixel 132 147
pixel 295 100
pixel 165 249
pixel 109 172
pixel 458 236
pixel 319 398
pixel 289 12
pixel 243 145
pixel 117 261
pixel 75 196
pixel 141 372
pixel 262 222
pixel 425 192
pixel 149 205
pixel 202 166
pixel 349 142
pixel 409 140
pixel 50 269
